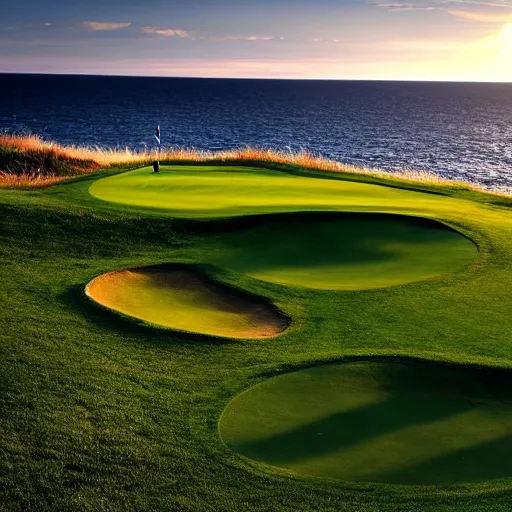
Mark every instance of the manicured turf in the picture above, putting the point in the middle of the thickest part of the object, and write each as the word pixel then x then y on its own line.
pixel 98 413
pixel 216 191
pixel 347 253
pixel 404 423
pixel 180 298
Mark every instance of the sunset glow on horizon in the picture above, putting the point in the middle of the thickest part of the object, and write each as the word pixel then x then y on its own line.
pixel 455 40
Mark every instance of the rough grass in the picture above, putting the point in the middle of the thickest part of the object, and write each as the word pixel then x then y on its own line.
pixel 97 414
pixel 29 180
pixel 32 156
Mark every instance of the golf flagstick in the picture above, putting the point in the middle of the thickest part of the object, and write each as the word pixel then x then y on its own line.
pixel 156 163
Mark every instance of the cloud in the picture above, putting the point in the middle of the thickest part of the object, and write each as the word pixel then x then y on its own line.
pixel 482 17
pixel 104 26
pixel 166 32
pixel 259 38
pixel 184 34
pixel 423 5
pixel 404 6
pixel 482 11
pixel 29 26
pixel 240 38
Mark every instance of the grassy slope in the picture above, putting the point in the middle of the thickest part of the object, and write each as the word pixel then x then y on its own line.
pixel 99 415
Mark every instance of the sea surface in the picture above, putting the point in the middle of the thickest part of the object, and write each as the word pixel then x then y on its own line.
pixel 459 131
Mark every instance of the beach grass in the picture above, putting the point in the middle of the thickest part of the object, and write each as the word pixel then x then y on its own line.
pixel 34 158
pixel 101 413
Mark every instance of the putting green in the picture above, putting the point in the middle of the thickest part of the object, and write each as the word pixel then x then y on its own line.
pixel 394 422
pixel 217 191
pixel 180 298
pixel 343 252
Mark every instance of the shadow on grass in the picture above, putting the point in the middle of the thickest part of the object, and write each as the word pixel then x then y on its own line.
pixel 433 424
pixel 346 429
pixel 485 461
pixel 355 249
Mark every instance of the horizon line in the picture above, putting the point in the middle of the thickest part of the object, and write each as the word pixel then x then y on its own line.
pixel 290 79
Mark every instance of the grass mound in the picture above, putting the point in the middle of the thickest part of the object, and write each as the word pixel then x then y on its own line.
pixel 343 252
pixel 182 299
pixel 394 422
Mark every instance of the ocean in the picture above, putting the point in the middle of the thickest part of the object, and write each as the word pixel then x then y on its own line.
pixel 456 130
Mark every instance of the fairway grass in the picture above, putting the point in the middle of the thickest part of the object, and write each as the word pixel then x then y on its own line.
pixel 401 423
pixel 99 412
pixel 182 299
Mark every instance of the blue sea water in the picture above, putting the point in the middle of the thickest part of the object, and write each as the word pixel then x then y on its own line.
pixel 454 130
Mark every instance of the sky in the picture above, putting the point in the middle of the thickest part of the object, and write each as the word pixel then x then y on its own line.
pixel 455 40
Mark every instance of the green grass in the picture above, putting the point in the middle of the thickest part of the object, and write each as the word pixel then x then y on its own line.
pixel 378 422
pixel 97 413
pixel 346 252
pixel 182 299
pixel 215 191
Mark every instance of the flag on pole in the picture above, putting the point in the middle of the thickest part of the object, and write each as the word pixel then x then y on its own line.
pixel 157 134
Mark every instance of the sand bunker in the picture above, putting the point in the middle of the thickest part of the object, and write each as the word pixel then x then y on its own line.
pixel 394 422
pixel 181 298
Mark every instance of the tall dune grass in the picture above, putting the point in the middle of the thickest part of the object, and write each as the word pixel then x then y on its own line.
pixel 29 180
pixel 30 161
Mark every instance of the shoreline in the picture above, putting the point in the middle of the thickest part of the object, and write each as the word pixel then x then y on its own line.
pixel 32 162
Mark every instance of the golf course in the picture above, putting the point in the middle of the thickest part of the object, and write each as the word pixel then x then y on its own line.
pixel 255 336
